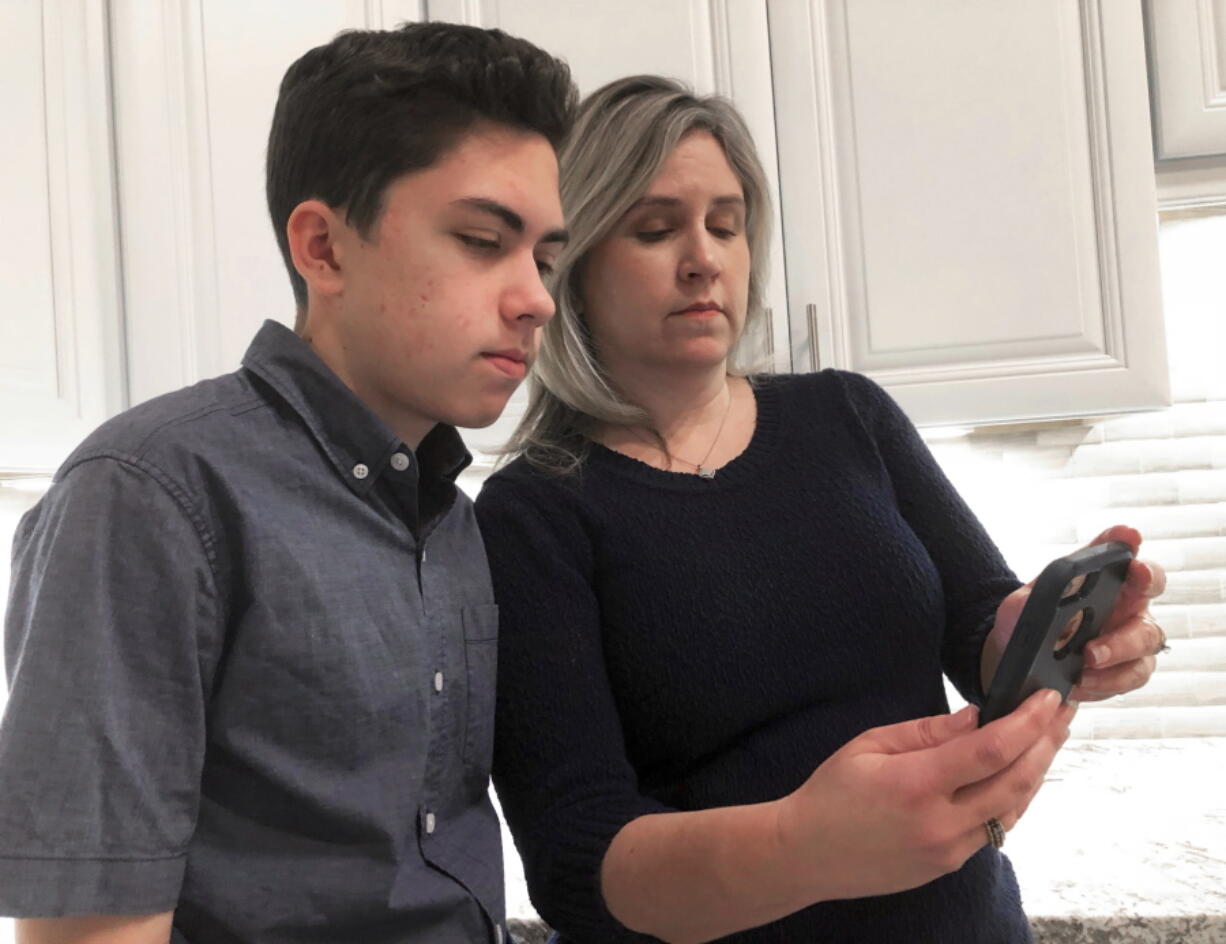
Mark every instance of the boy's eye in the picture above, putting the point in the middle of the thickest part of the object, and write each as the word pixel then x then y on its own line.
pixel 544 268
pixel 652 235
pixel 478 242
pixel 723 233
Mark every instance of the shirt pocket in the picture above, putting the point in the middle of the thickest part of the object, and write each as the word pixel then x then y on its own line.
pixel 481 677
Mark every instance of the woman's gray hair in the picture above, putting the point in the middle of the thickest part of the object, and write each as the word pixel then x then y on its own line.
pixel 624 133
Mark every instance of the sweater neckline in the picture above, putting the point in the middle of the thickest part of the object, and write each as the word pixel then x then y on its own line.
pixel 739 469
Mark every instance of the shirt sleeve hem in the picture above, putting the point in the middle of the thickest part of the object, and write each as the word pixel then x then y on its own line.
pixel 64 887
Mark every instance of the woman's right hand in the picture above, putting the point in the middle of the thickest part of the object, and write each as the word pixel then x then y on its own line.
pixel 901 805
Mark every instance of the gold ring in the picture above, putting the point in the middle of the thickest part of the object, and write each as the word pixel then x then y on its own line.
pixel 995 831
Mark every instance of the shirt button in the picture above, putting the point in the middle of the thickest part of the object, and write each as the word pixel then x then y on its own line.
pixel 360 471
pixel 400 461
pixel 438 681
pixel 429 824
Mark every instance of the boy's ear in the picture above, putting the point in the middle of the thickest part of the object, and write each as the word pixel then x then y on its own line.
pixel 313 232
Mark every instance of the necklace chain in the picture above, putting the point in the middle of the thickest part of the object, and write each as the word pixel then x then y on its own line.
pixel 701 467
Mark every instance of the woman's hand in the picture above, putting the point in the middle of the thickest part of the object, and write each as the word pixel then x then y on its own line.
pixel 901 805
pixel 1122 658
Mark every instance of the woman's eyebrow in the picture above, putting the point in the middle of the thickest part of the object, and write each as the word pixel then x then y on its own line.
pixel 731 199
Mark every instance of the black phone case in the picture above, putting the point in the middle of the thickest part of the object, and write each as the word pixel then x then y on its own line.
pixel 1031 660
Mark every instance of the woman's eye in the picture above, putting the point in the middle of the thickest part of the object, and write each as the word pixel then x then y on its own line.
pixel 544 268
pixel 477 242
pixel 652 235
pixel 723 233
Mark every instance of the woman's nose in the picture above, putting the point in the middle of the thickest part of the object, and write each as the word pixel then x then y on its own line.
pixel 701 259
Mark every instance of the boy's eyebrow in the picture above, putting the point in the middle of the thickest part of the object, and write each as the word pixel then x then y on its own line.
pixel 513 220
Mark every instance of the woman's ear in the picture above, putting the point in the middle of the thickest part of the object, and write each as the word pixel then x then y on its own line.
pixel 312 231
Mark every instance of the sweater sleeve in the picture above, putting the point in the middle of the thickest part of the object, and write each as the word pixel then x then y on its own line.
pixel 560 768
pixel 974 575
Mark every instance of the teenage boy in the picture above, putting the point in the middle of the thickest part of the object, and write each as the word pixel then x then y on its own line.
pixel 251 640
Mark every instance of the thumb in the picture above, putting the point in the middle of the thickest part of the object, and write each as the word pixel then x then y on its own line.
pixel 920 734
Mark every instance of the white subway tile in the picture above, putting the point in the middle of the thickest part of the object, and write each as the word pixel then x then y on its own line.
pixel 1195 587
pixel 1138 426
pixel 1148 490
pixel 1201 486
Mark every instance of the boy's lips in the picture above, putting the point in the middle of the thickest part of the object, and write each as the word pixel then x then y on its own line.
pixel 513 363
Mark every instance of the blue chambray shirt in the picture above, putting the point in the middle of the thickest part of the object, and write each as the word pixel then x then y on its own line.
pixel 251 650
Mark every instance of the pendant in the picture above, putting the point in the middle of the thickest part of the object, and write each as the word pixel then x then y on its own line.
pixel 706 473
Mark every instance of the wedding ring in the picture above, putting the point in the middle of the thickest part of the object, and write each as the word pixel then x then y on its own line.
pixel 1162 646
pixel 995 831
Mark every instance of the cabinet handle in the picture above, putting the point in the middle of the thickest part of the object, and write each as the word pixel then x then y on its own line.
pixel 814 352
pixel 770 334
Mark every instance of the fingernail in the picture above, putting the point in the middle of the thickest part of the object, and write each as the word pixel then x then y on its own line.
pixel 1051 700
pixel 1099 654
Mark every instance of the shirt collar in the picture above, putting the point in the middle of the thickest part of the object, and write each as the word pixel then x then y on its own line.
pixel 356 441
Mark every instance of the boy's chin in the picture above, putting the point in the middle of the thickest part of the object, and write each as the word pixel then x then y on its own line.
pixel 478 418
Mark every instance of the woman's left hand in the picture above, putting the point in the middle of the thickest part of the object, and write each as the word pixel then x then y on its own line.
pixel 1123 657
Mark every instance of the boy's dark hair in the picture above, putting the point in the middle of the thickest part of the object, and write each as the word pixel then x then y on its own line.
pixel 357 113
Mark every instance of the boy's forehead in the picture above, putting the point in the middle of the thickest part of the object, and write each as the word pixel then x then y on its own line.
pixel 516 168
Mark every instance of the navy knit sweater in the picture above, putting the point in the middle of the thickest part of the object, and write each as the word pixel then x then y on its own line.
pixel 669 642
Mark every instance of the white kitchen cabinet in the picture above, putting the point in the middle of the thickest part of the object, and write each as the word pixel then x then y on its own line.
pixel 966 189
pixel 61 353
pixel 969 209
pixel 1187 48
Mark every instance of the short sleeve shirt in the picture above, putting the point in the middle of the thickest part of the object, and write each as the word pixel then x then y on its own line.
pixel 251 651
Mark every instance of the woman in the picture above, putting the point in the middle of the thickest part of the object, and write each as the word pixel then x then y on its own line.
pixel 726 605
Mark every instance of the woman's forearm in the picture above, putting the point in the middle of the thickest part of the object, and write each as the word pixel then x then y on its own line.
pixel 696 876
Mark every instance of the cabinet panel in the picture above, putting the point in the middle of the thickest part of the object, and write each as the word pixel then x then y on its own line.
pixel 970 204
pixel 200 257
pixel 61 358
pixel 1187 45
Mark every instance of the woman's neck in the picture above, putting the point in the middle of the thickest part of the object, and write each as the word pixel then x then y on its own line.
pixel 677 402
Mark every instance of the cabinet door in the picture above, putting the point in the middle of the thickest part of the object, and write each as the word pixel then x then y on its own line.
pixel 61 358
pixel 716 46
pixel 195 87
pixel 1187 45
pixel 969 202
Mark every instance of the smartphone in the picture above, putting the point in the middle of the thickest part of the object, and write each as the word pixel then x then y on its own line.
pixel 1068 606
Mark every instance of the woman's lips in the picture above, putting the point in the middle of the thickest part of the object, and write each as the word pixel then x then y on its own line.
pixel 702 310
pixel 513 367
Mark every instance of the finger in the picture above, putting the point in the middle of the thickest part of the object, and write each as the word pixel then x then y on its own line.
pixel 1097 684
pixel 975 834
pixel 1008 794
pixel 1122 533
pixel 920 734
pixel 1138 637
pixel 976 837
pixel 1146 580
pixel 992 748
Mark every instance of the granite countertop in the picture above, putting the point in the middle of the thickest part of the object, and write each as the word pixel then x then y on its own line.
pixel 1125 843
